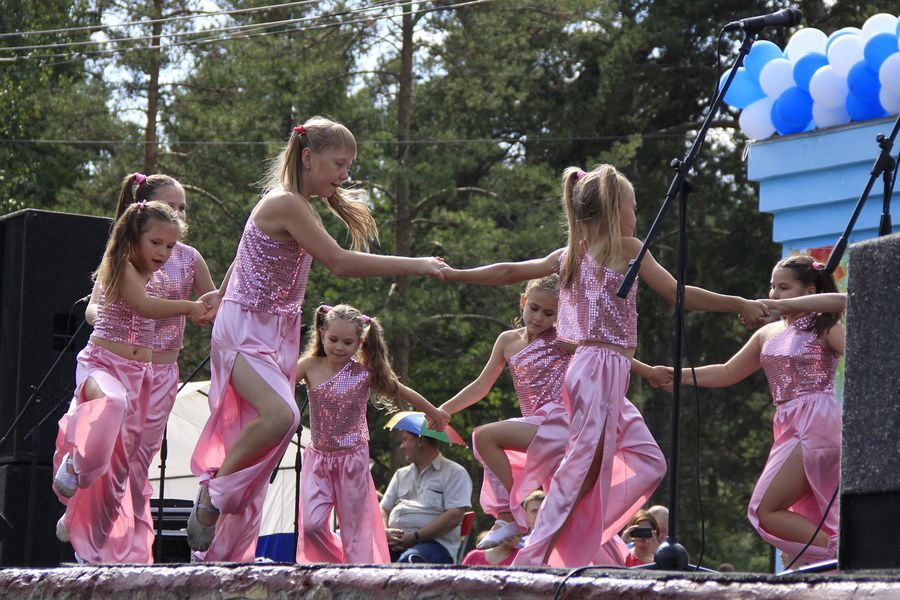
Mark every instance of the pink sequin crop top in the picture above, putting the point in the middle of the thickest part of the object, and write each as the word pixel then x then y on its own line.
pixel 797 364
pixel 118 322
pixel 337 408
pixel 180 271
pixel 589 309
pixel 269 275
pixel 538 371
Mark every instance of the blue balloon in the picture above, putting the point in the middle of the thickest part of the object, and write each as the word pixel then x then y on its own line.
pixel 863 82
pixel 794 108
pixel 878 48
pixel 806 67
pixel 760 54
pixel 744 89
pixel 863 109
pixel 782 126
pixel 839 33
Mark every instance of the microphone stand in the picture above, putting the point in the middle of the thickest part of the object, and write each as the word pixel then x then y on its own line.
pixel 886 166
pixel 672 556
pixel 163 455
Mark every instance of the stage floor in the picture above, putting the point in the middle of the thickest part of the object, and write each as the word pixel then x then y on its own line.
pixel 321 582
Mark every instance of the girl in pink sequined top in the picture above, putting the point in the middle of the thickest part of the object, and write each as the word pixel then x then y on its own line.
pixel 344 365
pixel 575 523
pixel 256 336
pixel 187 272
pixel 100 432
pixel 799 355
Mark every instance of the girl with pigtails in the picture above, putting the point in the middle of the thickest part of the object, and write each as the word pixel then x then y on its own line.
pixel 256 336
pixel 346 364
pixel 579 516
pixel 100 434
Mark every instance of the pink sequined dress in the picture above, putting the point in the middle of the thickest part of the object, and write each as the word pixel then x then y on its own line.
pixel 571 532
pixel 800 371
pixel 537 372
pixel 336 476
pixel 102 435
pixel 168 337
pixel 258 320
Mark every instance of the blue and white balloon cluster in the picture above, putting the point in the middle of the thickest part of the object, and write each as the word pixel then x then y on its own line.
pixel 819 80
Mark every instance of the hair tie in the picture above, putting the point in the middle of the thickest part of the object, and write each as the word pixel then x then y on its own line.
pixel 580 174
pixel 366 319
pixel 299 130
pixel 817 266
pixel 324 308
pixel 142 205
pixel 139 178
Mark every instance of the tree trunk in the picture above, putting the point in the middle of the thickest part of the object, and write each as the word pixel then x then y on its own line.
pixel 150 148
pixel 400 339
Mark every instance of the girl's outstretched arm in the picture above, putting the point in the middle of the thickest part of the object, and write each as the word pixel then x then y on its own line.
pixel 695 298
pixel 823 303
pixel 508 272
pixel 90 313
pixel 739 366
pixel 134 293
pixel 479 388
pixel 296 216
pixel 437 418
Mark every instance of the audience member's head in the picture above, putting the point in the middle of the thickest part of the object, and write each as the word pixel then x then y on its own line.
pixel 420 450
pixel 726 568
pixel 661 514
pixel 644 531
pixel 531 504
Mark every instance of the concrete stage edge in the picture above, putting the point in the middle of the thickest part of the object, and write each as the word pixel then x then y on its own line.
pixel 322 582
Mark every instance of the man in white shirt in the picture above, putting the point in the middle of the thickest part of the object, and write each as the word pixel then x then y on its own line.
pixel 424 504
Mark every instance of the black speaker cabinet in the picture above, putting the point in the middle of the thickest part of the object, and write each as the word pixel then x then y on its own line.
pixel 46 259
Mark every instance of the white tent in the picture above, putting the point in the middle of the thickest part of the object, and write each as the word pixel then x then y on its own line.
pixel 188 417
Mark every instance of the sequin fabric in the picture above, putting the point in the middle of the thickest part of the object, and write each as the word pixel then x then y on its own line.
pixel 337 408
pixel 180 271
pixel 118 322
pixel 269 275
pixel 797 364
pixel 538 371
pixel 590 311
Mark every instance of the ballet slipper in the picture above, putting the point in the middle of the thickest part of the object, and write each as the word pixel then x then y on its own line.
pixel 498 535
pixel 65 482
pixel 62 533
pixel 200 536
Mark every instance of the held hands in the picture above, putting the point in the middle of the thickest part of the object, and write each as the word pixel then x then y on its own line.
pixel 774 312
pixel 199 311
pixel 437 419
pixel 433 267
pixel 661 377
pixel 212 301
pixel 753 313
pixel 395 539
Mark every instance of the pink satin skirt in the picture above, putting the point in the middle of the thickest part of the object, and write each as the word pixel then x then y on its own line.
pixel 340 480
pixel 813 423
pixel 570 531
pixel 271 345
pixel 531 469
pixel 102 436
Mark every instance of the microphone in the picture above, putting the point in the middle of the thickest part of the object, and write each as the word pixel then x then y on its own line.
pixel 787 17
pixel 80 300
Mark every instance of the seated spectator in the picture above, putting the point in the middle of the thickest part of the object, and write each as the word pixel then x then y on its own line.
pixel 424 504
pixel 643 530
pixel 505 552
pixel 661 514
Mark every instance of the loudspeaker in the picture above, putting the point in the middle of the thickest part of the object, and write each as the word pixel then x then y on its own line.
pixel 46 259
pixel 34 544
pixel 870 463
pixel 175 515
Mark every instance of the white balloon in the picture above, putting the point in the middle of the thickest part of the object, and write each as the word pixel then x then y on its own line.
pixel 844 52
pixel 828 88
pixel 889 74
pixel 889 102
pixel 880 23
pixel 756 119
pixel 776 77
pixel 804 42
pixel 825 116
